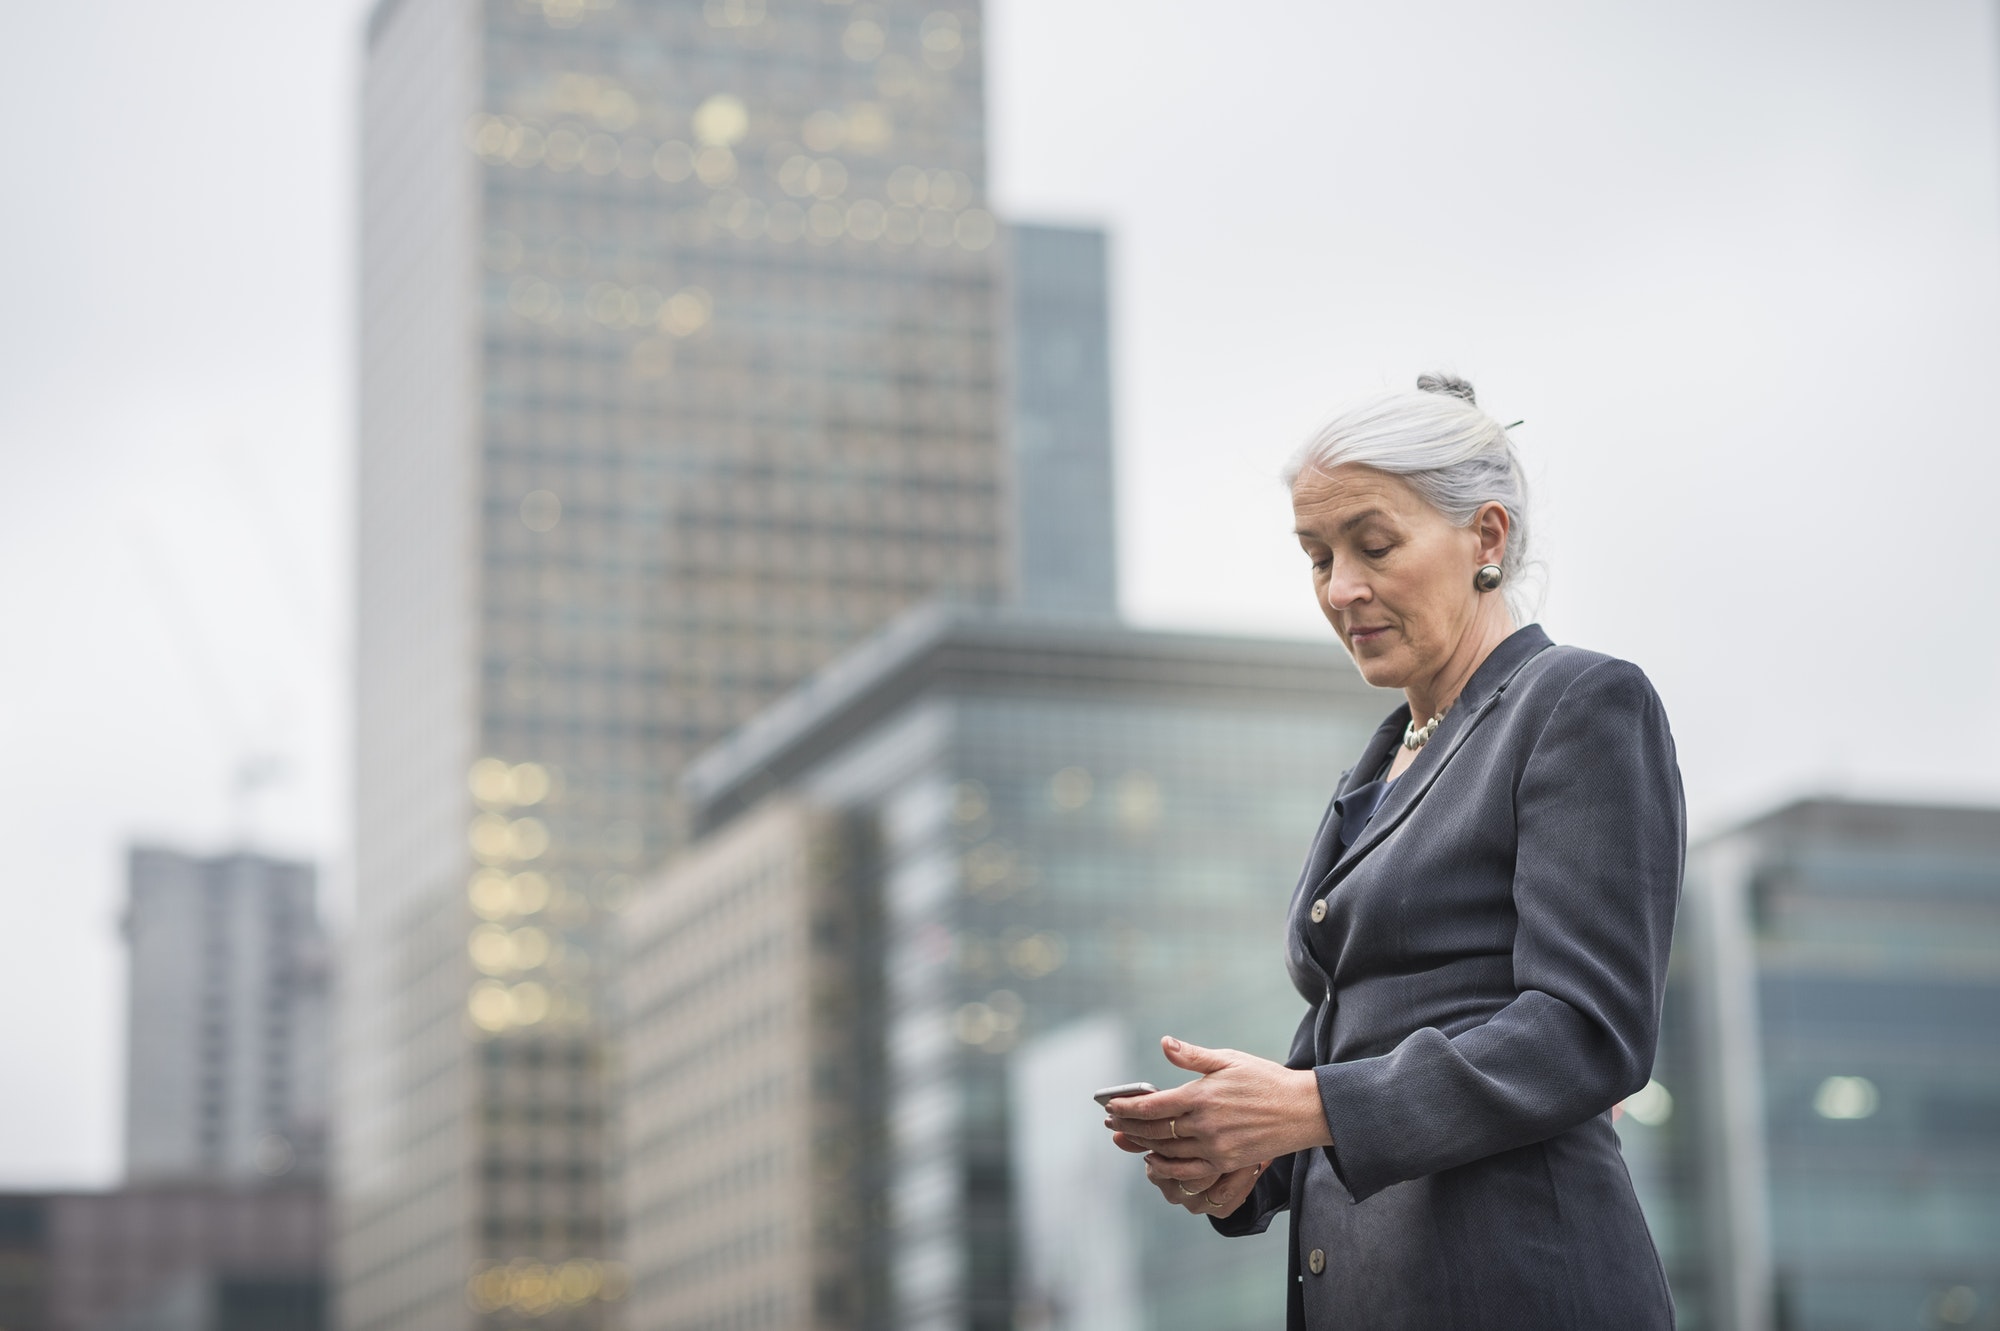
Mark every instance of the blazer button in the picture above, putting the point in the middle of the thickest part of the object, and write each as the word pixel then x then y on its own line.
pixel 1316 1260
pixel 1319 910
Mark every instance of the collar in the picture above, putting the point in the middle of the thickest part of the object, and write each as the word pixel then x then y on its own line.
pixel 1474 701
pixel 1513 651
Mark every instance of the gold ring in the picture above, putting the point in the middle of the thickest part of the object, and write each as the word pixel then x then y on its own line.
pixel 1186 1191
pixel 1174 1127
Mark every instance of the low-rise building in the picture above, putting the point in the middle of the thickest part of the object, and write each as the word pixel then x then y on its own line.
pixel 187 1257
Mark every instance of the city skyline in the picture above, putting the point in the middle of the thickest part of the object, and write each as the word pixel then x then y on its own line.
pixel 1857 285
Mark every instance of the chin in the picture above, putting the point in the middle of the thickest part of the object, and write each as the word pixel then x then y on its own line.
pixel 1385 670
pixel 1383 679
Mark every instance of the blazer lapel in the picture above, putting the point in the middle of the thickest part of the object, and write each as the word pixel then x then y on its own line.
pixel 1481 693
pixel 1379 746
pixel 1320 858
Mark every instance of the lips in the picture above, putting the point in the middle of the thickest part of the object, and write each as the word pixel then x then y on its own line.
pixel 1371 633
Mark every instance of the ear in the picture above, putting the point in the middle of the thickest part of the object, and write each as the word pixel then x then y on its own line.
pixel 1489 528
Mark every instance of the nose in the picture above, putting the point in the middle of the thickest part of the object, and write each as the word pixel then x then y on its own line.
pixel 1343 588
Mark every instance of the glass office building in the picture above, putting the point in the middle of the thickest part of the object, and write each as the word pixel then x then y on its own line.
pixel 1076 837
pixel 1065 556
pixel 679 373
pixel 1827 1153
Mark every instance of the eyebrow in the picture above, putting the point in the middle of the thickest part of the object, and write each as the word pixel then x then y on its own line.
pixel 1348 525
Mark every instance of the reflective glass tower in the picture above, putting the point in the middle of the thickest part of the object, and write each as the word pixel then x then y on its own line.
pixel 678 373
pixel 1822 1145
pixel 1065 556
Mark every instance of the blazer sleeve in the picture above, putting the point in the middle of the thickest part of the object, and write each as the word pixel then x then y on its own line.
pixel 1601 837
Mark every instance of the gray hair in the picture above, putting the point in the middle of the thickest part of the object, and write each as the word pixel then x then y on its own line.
pixel 1450 452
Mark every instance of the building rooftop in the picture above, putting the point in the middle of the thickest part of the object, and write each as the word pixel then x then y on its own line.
pixel 1881 824
pixel 981 650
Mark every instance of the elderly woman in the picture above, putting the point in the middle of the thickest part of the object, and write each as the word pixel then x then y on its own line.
pixel 1481 929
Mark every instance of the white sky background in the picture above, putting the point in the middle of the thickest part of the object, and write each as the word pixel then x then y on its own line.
pixel 1738 266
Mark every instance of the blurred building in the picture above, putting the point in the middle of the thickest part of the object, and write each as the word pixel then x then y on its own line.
pixel 1821 1147
pixel 1065 555
pixel 227 1045
pixel 222 1224
pixel 979 842
pixel 753 1012
pixel 680 371
pixel 181 1257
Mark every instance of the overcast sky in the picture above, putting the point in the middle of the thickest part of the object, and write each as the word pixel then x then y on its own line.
pixel 1736 264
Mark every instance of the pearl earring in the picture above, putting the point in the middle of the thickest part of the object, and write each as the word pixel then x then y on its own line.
pixel 1487 578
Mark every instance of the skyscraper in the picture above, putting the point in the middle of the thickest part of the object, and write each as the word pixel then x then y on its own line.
pixel 678 373
pixel 227 1048
pixel 1065 554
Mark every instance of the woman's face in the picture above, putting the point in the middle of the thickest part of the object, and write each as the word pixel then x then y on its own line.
pixel 1393 576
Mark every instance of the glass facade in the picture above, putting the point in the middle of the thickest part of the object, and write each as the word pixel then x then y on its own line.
pixel 1131 861
pixel 1065 558
pixel 1659 1132
pixel 1076 829
pixel 678 373
pixel 1832 1039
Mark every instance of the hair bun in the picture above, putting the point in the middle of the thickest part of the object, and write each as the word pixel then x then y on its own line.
pixel 1447 383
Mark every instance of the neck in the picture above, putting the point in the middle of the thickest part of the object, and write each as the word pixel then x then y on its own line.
pixel 1488 630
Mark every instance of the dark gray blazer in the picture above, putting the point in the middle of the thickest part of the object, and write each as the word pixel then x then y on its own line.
pixel 1485 984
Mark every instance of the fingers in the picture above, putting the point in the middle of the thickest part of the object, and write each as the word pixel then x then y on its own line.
pixel 1166 1128
pixel 1232 1189
pixel 1158 1107
pixel 1166 1143
pixel 1175 1101
pixel 1186 1171
pixel 1184 1185
pixel 1193 1057
pixel 1209 1195
pixel 1195 1205
pixel 1141 1146
pixel 1205 1193
pixel 1191 1194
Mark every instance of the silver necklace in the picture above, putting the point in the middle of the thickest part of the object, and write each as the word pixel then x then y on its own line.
pixel 1416 736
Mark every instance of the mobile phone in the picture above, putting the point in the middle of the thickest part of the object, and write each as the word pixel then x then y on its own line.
pixel 1110 1093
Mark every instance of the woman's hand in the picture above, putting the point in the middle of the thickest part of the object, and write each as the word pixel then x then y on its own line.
pixel 1241 1112
pixel 1211 1196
